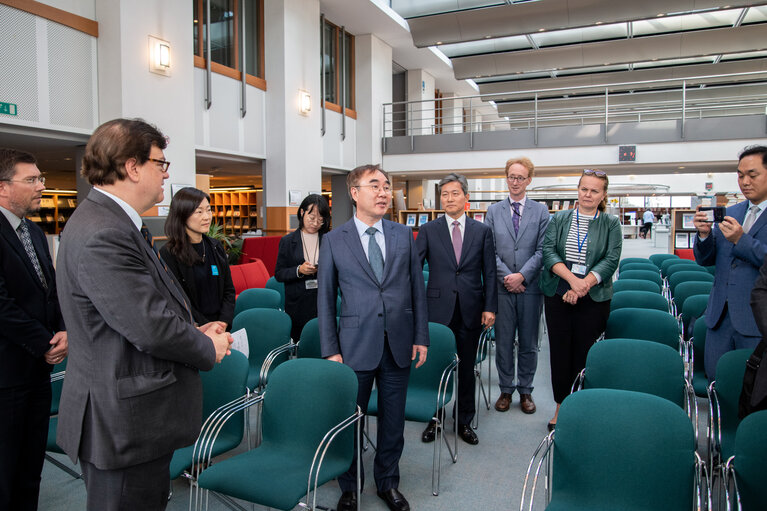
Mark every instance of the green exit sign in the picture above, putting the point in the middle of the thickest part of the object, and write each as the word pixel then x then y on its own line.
pixel 8 108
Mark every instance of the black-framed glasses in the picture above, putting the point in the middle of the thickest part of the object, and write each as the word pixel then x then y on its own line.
pixel 517 179
pixel 27 180
pixel 592 172
pixel 165 163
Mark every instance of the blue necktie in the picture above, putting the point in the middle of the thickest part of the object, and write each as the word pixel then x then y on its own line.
pixel 374 254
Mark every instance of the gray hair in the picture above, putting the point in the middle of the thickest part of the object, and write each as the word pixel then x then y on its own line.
pixel 455 177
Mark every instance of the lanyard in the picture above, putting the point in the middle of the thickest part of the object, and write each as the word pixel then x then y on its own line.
pixel 578 229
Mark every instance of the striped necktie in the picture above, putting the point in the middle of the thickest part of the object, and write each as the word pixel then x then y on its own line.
pixel 29 248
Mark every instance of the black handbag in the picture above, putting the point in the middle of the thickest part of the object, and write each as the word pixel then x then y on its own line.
pixel 753 397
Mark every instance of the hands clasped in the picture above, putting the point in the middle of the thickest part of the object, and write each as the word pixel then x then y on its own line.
pixel 222 340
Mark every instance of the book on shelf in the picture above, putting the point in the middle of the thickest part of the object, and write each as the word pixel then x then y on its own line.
pixel 72 203
pixel 410 220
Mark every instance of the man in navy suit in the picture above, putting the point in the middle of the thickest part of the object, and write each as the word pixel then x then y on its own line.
pixel 32 335
pixel 383 323
pixel 518 224
pixel 737 247
pixel 461 291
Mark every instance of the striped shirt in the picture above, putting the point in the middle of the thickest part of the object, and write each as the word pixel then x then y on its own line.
pixel 579 228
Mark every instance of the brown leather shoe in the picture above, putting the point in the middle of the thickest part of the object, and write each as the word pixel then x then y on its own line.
pixel 503 403
pixel 526 403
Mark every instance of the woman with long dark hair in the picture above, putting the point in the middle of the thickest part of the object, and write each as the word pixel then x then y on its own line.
pixel 198 262
pixel 297 261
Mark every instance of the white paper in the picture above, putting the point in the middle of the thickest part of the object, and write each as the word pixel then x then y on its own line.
pixel 240 343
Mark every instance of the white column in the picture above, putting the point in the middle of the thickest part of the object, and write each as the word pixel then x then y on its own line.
pixel 420 86
pixel 373 88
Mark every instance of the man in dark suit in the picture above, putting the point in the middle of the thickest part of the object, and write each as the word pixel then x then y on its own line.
pixel 737 247
pixel 519 225
pixel 132 394
pixel 383 324
pixel 32 335
pixel 461 291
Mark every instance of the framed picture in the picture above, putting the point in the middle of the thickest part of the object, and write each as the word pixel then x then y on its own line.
pixel 410 220
pixel 687 221
pixel 566 204
pixel 479 217
pixel 423 218
pixel 682 240
pixel 555 205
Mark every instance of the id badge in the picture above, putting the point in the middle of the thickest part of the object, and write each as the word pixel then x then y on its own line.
pixel 580 269
pixel 311 284
pixel 213 269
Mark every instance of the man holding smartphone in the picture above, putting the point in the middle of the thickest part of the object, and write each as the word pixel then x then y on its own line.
pixel 737 245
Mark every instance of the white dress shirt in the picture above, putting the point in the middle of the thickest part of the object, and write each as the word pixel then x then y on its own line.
pixel 364 237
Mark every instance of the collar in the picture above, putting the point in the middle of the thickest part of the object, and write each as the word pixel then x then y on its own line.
pixel 12 218
pixel 761 205
pixel 362 226
pixel 521 201
pixel 132 213
pixel 461 220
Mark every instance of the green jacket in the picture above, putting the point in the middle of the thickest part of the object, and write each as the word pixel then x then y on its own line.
pixel 603 251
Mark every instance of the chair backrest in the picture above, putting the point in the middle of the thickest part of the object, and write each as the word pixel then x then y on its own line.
pixel 750 453
pixel 631 260
pixel 606 438
pixel 426 277
pixel 640 266
pixel 267 329
pixel 711 269
pixel 635 284
pixel 309 345
pixel 257 298
pixel 304 399
pixel 688 276
pixel 657 259
pixel 639 300
pixel 426 379
pixel 652 276
pixel 645 324
pixel 728 384
pixel 57 386
pixel 272 283
pixel 674 268
pixel 693 307
pixel 664 266
pixel 249 275
pixel 222 384
pixel 641 366
pixel 686 289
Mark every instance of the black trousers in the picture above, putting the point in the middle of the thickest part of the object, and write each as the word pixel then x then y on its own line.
pixel 24 414
pixel 144 486
pixel 573 329
pixel 466 343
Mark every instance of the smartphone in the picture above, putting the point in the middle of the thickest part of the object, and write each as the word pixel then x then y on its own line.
pixel 716 213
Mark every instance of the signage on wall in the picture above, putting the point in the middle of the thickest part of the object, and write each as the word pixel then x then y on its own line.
pixel 709 186
pixel 627 153
pixel 8 109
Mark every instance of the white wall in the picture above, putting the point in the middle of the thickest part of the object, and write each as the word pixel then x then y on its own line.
pixel 373 84
pixel 420 86
pixel 338 153
pixel 84 8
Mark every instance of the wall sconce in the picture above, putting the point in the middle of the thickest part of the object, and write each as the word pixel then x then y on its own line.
pixel 304 102
pixel 159 56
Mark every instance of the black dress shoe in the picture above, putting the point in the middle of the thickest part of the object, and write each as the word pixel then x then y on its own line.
pixel 348 501
pixel 467 434
pixel 552 425
pixel 430 432
pixel 394 500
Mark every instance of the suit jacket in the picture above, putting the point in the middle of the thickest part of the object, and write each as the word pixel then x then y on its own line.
pixel 759 300
pixel 132 392
pixel 359 334
pixel 185 276
pixel 472 280
pixel 520 252
pixel 737 267
pixel 29 314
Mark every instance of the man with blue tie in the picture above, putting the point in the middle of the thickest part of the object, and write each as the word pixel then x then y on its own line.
pixel 518 224
pixel 461 291
pixel 737 247
pixel 382 324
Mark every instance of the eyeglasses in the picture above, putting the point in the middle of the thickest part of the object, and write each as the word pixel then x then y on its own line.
pixel 592 172
pixel 27 181
pixel 516 179
pixel 165 164
pixel 314 219
pixel 376 188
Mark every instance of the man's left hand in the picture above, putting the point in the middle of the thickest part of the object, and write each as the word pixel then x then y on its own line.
pixel 731 229
pixel 59 348
pixel 420 352
pixel 488 319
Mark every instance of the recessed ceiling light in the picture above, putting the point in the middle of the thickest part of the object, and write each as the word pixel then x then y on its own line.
pixel 599 22
pixel 541 30
pixel 488 36
pixel 439 42
pixel 681 167
pixel 660 15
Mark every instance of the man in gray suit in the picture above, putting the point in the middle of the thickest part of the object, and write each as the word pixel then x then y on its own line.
pixel 132 394
pixel 518 225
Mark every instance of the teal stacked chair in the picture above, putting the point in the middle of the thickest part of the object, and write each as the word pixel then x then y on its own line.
pixel 680 277
pixel 430 388
pixel 711 269
pixel 640 266
pixel 685 290
pixel 745 469
pixel 688 266
pixel 723 396
pixel 57 383
pixel 272 283
pixel 631 260
pixel 426 277
pixel 639 300
pixel 483 354
pixel 644 324
pixel 652 276
pixel 309 344
pixel 657 259
pixel 308 410
pixel 268 341
pixel 618 449
pixel 698 341
pixel 665 265
pixel 223 386
pixel 693 307
pixel 257 298
pixel 635 284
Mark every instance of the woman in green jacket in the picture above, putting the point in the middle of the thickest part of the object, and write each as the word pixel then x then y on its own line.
pixel 581 251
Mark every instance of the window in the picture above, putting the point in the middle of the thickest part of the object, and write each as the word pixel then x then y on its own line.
pixel 226 30
pixel 338 68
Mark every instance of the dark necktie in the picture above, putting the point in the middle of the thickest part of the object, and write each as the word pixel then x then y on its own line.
pixel 515 216
pixel 457 241
pixel 148 237
pixel 374 254
pixel 26 240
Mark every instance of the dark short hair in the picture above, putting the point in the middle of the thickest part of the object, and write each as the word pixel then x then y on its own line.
pixel 8 160
pixel 113 144
pixel 182 206
pixel 319 202
pixel 355 176
pixel 755 150
pixel 452 178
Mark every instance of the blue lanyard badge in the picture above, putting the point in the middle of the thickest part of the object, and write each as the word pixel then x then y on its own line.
pixel 213 269
pixel 578 230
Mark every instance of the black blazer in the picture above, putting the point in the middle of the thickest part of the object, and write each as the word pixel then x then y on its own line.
pixel 185 276
pixel 29 314
pixel 300 303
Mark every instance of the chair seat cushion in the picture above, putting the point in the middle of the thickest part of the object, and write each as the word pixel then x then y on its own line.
pixel 182 458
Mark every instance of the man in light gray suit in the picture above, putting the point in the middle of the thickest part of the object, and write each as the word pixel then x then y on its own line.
pixel 518 225
pixel 132 394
